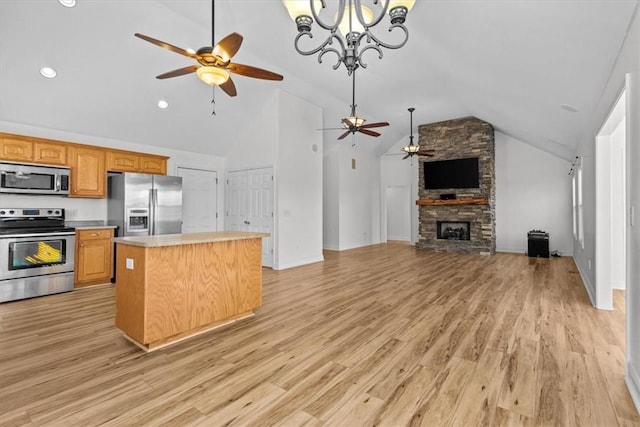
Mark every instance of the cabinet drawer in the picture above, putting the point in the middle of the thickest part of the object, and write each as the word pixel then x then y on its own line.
pixel 94 234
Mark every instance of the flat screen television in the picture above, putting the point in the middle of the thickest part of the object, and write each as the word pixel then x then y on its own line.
pixel 458 173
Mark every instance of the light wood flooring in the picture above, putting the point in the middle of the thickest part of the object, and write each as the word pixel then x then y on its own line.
pixel 383 335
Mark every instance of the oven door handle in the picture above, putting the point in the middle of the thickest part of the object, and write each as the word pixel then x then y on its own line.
pixel 18 236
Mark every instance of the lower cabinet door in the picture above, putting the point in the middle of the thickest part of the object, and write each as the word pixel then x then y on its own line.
pixel 94 262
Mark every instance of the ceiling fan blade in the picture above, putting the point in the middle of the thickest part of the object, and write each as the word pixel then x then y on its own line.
pixel 344 135
pixel 426 153
pixel 407 156
pixel 368 132
pixel 229 87
pixel 255 72
pixel 228 46
pixel 167 46
pixel 374 125
pixel 342 128
pixel 178 72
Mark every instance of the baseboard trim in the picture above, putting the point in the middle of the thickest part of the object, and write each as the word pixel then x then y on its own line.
pixel 585 282
pixel 300 262
pixel 633 384
pixel 618 285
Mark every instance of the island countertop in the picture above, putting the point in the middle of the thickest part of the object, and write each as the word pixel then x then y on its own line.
pixel 188 238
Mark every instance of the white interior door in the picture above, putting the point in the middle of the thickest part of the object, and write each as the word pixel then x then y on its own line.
pixel 199 200
pixel 399 213
pixel 250 205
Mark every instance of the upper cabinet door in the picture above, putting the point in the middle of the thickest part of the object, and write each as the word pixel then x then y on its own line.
pixel 118 161
pixel 49 153
pixel 16 149
pixel 88 173
pixel 153 164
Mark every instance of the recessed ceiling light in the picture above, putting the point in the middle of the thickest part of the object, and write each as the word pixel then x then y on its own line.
pixel 68 3
pixel 48 72
pixel 569 108
pixel 163 104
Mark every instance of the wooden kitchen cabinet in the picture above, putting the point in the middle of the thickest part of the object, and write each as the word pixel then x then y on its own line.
pixel 153 164
pixel 15 148
pixel 88 164
pixel 119 161
pixel 94 256
pixel 50 153
pixel 88 173
pixel 125 161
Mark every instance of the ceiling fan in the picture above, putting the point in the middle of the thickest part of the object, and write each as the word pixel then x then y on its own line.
pixel 412 149
pixel 353 123
pixel 214 62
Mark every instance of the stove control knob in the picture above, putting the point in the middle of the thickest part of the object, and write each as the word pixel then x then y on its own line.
pixel 49 212
pixel 2 212
pixel 11 212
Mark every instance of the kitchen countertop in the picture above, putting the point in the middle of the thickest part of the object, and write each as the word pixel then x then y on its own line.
pixel 188 238
pixel 87 225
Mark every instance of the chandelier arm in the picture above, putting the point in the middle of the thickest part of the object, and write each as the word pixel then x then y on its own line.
pixel 316 16
pixel 322 48
pixel 332 50
pixel 366 48
pixel 371 36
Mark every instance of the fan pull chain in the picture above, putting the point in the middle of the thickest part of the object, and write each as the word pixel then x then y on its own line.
pixel 213 100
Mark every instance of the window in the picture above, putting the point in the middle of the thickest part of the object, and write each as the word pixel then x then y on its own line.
pixel 575 206
pixel 580 206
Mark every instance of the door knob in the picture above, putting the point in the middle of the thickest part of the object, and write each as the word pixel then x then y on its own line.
pixel 247 222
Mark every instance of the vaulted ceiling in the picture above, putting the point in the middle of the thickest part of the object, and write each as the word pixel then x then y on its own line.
pixel 512 63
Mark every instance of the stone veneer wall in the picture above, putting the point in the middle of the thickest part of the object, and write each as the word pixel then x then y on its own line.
pixel 457 139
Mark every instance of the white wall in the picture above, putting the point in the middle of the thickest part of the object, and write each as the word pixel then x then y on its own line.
pixel 359 195
pixel 331 200
pixel 298 183
pixel 533 191
pixel 627 68
pixel 256 142
pixel 96 209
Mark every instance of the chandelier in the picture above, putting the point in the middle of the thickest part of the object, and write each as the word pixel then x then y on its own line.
pixel 350 32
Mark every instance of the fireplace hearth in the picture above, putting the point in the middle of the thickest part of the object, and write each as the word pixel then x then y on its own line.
pixel 453 230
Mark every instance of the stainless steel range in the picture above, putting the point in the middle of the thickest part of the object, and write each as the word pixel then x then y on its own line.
pixel 37 253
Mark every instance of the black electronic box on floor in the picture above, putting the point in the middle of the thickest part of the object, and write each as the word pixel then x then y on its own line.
pixel 538 244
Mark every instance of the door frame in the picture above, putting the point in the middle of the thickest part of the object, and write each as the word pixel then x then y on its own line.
pixel 606 210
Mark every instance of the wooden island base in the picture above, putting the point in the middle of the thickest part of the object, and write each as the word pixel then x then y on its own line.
pixel 189 334
pixel 173 287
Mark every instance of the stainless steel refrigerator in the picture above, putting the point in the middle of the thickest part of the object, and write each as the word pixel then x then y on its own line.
pixel 141 204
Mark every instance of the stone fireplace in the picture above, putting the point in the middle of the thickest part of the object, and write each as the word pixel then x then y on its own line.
pixel 467 213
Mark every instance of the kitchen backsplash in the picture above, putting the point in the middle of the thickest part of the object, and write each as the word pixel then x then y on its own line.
pixel 75 208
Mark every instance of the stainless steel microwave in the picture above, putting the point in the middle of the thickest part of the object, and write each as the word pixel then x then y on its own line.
pixel 34 179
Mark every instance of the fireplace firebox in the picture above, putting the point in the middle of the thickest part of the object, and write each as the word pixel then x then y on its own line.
pixel 453 230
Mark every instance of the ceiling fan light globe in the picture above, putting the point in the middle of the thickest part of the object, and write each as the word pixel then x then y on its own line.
pixel 411 149
pixel 355 121
pixel 212 76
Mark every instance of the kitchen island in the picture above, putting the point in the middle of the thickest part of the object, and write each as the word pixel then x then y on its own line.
pixel 172 287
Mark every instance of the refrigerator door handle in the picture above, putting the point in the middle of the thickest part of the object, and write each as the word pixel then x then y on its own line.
pixel 152 212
